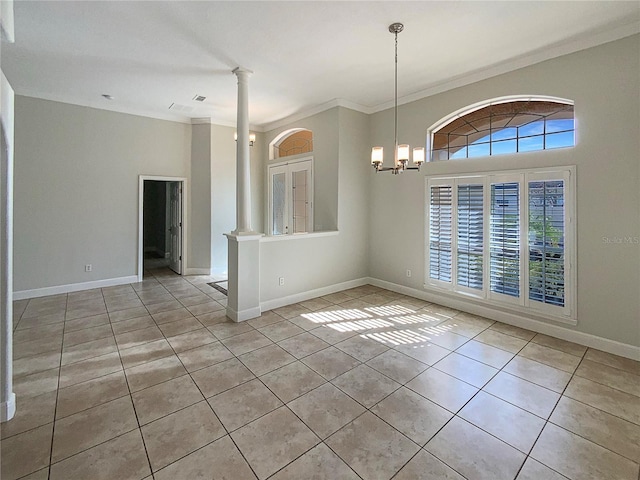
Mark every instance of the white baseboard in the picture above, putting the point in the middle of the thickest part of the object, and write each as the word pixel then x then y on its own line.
pixel 308 295
pixel 243 315
pixel 8 408
pixel 197 271
pixel 73 287
pixel 518 320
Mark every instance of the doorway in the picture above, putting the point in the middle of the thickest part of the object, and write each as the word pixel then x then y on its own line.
pixel 161 224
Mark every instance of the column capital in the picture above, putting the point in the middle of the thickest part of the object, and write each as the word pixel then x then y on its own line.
pixel 241 71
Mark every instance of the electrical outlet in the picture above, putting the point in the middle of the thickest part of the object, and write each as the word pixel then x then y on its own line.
pixel 408 273
pixel 88 267
pixel 281 281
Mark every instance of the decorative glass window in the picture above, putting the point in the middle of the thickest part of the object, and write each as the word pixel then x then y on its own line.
pixel 505 238
pixel 504 126
pixel 294 143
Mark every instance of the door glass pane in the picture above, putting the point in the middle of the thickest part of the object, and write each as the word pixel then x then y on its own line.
pixel 505 239
pixel 300 190
pixel 546 242
pixel 279 199
pixel 470 236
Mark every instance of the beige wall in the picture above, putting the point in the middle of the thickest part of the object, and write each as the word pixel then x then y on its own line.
pixel 604 82
pixel 325 128
pixel 76 189
pixel 199 212
pixel 309 263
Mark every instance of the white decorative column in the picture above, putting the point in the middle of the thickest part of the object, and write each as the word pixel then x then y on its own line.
pixel 7 397
pixel 243 172
pixel 243 300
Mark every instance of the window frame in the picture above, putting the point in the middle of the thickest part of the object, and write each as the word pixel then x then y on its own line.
pixel 522 303
pixel 289 167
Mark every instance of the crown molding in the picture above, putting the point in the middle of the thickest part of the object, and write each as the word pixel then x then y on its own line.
pixel 101 105
pixel 507 66
pixel 526 60
pixel 517 63
pixel 323 107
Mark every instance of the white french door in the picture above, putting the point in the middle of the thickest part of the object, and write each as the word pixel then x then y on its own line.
pixel 291 197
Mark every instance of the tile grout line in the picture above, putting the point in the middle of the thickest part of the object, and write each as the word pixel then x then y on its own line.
pixel 55 409
pixel 133 405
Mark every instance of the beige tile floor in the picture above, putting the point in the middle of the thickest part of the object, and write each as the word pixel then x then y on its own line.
pixel 151 381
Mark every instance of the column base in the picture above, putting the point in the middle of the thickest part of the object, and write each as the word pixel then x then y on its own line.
pixel 243 315
pixel 8 408
pixel 243 298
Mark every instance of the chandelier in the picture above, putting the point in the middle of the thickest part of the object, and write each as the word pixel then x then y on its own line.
pixel 401 152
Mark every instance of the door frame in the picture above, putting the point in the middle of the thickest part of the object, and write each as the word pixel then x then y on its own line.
pixel 183 230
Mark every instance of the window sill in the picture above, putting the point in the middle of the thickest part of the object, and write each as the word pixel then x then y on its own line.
pixel 298 236
pixel 460 299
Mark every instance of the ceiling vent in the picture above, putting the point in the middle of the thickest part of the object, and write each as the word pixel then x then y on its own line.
pixel 176 107
pixel 199 98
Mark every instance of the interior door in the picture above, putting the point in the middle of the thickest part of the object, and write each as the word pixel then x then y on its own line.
pixel 175 226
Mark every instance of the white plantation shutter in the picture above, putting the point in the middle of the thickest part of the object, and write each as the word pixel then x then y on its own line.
pixel 506 238
pixel 440 233
pixel 470 236
pixel 546 242
pixel 504 243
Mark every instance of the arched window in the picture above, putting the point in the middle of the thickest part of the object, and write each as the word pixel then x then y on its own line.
pixel 504 125
pixel 292 142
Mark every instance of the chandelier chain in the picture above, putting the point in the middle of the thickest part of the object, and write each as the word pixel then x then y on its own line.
pixel 396 94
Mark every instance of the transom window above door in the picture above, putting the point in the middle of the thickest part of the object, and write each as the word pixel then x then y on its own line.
pixel 504 126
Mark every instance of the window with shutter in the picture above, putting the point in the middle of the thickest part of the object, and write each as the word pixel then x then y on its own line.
pixel 526 217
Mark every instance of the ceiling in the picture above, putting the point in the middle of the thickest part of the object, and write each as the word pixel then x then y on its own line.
pixel 305 55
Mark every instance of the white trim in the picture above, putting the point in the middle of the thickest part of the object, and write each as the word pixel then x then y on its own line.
pixel 203 121
pixel 183 242
pixel 196 271
pixel 243 237
pixel 6 21
pixel 243 315
pixel 299 236
pixel 306 113
pixel 309 294
pixel 73 287
pixel 8 408
pixel 516 319
pixel 461 112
